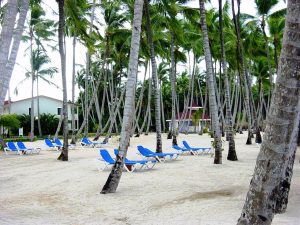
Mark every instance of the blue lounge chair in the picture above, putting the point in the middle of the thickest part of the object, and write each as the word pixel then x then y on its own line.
pixel 88 143
pixel 108 160
pixel 22 147
pixel 51 145
pixel 197 149
pixel 13 148
pixel 142 162
pixel 147 153
pixel 60 144
pixel 184 150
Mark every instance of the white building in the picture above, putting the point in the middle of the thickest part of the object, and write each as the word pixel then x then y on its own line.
pixel 47 105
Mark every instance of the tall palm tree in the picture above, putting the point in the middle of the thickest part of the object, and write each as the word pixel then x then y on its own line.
pixel 276 27
pixel 270 183
pixel 155 79
pixel 210 83
pixel 231 151
pixel 8 56
pixel 76 26
pixel 39 71
pixel 244 71
pixel 61 25
pixel 116 173
pixel 263 9
pixel 40 29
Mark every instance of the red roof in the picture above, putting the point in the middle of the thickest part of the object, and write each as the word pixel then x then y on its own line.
pixel 7 102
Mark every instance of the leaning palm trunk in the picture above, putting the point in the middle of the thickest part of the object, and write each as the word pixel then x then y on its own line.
pixel 148 112
pixel 210 80
pixel 6 33
pixel 61 23
pixel 270 184
pixel 155 80
pixel 116 173
pixel 139 104
pixel 112 117
pixel 60 121
pixel 231 150
pixel 5 42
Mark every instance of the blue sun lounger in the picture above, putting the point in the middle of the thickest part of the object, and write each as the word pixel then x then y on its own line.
pixel 51 145
pixel 129 165
pixel 143 162
pixel 184 150
pixel 88 143
pixel 197 149
pixel 13 148
pixel 147 153
pixel 60 144
pixel 22 147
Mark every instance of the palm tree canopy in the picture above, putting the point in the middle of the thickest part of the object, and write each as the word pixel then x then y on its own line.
pixel 264 7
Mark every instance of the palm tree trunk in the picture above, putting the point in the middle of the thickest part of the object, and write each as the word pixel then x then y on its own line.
pixel 38 106
pixel 8 24
pixel 155 80
pixel 73 141
pixel 210 79
pixel 86 96
pixel 113 116
pixel 231 150
pixel 263 24
pixel 32 88
pixel 61 24
pixel 244 73
pixel 5 42
pixel 116 173
pixel 236 105
pixel 162 110
pixel 173 90
pixel 140 103
pixel 270 184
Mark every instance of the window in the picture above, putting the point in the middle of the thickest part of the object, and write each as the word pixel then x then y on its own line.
pixel 58 111
pixel 29 111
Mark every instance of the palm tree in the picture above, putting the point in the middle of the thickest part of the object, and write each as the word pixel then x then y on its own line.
pixel 38 71
pixel 173 90
pixel 61 25
pixel 155 79
pixel 270 183
pixel 231 151
pixel 263 8
pixel 210 83
pixel 39 29
pixel 76 26
pixel 116 173
pixel 244 71
pixel 276 26
pixel 8 56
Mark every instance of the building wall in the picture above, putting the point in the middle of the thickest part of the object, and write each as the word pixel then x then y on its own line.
pixel 47 105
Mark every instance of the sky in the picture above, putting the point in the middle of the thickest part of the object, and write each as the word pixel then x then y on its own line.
pixel 23 61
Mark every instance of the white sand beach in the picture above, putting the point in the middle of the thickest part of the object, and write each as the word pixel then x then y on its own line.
pixel 38 189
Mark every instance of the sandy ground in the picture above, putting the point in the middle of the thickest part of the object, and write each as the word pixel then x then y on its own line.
pixel 38 189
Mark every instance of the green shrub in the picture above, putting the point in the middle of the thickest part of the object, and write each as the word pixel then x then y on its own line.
pixel 205 130
pixel 16 139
